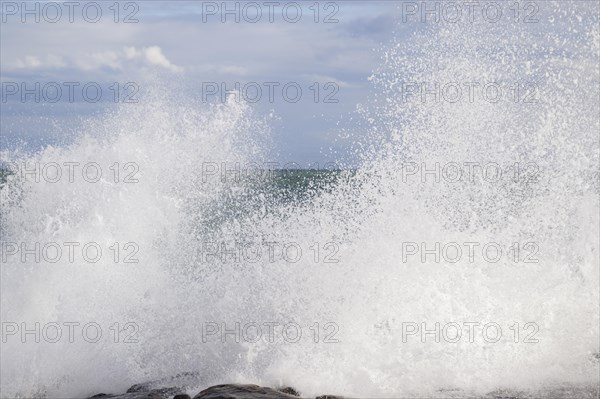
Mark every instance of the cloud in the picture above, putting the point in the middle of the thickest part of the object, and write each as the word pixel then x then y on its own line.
pixel 55 61
pixel 33 62
pixel 324 79
pixel 153 55
pixel 131 53
pixel 305 52
pixel 214 70
pixel 234 70
pixel 108 59
pixel 27 62
pixel 115 60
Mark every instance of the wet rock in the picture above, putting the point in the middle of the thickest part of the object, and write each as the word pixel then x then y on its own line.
pixel 162 393
pixel 289 391
pixel 161 389
pixel 143 387
pixel 181 381
pixel 175 388
pixel 242 391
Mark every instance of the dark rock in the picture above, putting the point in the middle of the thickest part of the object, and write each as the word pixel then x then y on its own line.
pixel 148 387
pixel 181 380
pixel 176 386
pixel 141 393
pixel 506 394
pixel 166 391
pixel 143 387
pixel 289 391
pixel 240 391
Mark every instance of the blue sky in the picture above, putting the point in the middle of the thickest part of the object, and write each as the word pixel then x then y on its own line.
pixel 172 40
pixel 186 45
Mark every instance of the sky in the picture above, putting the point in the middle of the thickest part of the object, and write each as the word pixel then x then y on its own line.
pixel 329 56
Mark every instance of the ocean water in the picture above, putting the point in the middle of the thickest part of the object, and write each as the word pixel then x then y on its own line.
pixel 355 276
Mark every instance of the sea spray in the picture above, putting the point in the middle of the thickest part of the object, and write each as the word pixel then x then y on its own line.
pixel 378 319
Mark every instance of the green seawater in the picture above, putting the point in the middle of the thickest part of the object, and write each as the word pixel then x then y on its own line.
pixel 266 193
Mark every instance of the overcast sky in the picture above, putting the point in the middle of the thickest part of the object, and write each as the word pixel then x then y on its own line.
pixel 187 43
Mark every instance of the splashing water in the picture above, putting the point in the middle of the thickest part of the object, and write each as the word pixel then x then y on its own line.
pixel 375 290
